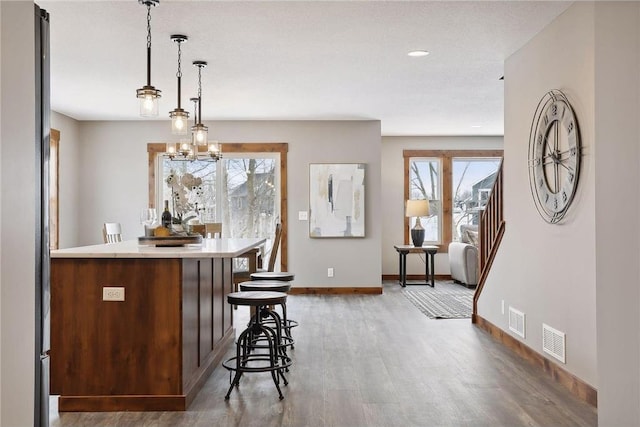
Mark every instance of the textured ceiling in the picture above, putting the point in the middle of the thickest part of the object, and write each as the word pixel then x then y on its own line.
pixel 297 60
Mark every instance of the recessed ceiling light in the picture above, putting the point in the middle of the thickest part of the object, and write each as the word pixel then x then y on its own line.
pixel 417 53
pixel 476 126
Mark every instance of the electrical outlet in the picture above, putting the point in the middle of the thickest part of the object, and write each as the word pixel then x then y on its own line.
pixel 303 216
pixel 502 306
pixel 112 294
pixel 330 272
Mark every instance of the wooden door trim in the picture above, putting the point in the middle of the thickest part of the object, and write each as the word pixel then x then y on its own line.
pixel 54 189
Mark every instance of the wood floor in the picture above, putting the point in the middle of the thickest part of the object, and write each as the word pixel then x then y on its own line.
pixel 375 360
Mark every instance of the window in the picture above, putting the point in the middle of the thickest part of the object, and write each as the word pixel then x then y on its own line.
pixel 240 191
pixel 425 183
pixel 472 181
pixel 457 185
pixel 245 190
pixel 188 198
pixel 250 196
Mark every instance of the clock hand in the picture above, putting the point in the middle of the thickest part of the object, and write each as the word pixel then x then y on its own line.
pixel 561 154
pixel 553 157
pixel 566 167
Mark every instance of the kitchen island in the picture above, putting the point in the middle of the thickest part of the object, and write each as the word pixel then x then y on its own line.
pixel 139 328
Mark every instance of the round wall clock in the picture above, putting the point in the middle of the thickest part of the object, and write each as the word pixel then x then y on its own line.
pixel 554 156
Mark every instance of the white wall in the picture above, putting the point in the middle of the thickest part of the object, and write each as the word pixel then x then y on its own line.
pixel 0 217
pixel 549 271
pixel 581 276
pixel 393 191
pixel 70 178
pixel 17 227
pixel 617 137
pixel 113 167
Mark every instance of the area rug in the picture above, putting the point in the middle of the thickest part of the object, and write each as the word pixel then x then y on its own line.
pixel 447 300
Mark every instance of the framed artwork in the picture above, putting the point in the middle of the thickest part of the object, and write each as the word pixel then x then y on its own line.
pixel 336 199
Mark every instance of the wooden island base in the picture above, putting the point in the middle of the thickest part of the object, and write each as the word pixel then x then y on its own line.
pixel 151 352
pixel 145 402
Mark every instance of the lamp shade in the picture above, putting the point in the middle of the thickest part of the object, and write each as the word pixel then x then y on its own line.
pixel 417 208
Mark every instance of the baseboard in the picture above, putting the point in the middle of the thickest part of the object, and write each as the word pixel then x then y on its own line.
pixel 396 277
pixel 373 290
pixel 575 385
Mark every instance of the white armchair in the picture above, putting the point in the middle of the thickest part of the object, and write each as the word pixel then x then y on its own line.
pixel 463 257
pixel 463 262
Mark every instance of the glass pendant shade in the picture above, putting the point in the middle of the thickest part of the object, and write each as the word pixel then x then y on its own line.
pixel 171 149
pixel 213 149
pixel 185 148
pixel 200 134
pixel 148 95
pixel 149 100
pixel 179 116
pixel 179 119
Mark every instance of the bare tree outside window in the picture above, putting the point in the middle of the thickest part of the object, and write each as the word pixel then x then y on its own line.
pixel 249 198
pixel 424 183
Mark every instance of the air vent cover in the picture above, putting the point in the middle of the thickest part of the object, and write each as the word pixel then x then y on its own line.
pixel 516 321
pixel 553 342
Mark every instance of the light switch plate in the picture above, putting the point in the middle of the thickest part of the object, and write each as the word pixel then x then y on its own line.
pixel 303 216
pixel 112 293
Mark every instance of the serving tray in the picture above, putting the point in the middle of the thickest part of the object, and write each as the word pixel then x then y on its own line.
pixel 170 240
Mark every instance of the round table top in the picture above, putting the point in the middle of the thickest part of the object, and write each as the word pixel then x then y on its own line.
pixel 255 298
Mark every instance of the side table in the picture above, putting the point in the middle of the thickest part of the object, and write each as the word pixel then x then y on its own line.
pixel 429 273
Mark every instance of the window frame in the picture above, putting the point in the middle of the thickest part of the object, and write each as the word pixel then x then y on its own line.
pixel 446 158
pixel 155 149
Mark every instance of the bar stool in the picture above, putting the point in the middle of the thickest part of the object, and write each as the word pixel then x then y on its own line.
pixel 246 358
pixel 283 276
pixel 274 286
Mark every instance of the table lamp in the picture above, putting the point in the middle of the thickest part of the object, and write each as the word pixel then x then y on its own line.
pixel 417 208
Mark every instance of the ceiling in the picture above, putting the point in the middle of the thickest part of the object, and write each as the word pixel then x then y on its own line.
pixel 297 60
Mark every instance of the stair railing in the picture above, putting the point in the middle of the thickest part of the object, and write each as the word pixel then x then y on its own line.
pixel 491 231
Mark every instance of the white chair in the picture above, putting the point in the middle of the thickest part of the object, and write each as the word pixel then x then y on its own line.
pixel 112 232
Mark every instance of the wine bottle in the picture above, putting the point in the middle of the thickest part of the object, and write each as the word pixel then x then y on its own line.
pixel 166 215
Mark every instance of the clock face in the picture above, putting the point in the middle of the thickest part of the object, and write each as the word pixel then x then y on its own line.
pixel 554 156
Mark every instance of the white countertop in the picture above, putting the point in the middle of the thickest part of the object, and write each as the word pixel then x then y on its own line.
pixel 210 248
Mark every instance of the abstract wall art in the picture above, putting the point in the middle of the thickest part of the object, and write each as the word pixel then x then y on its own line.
pixel 336 200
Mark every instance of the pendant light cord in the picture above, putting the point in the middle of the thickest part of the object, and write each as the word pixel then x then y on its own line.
pixel 200 95
pixel 148 44
pixel 179 73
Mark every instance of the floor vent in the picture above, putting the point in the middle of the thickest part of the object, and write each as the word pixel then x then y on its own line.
pixel 553 342
pixel 516 321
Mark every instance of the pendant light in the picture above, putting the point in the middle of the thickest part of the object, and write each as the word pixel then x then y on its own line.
pixel 188 150
pixel 179 116
pixel 199 132
pixel 148 95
